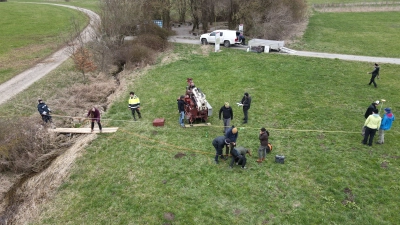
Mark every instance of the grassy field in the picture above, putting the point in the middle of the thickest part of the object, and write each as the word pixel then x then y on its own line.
pixel 313 109
pixel 87 4
pixel 29 33
pixel 370 34
pixel 346 1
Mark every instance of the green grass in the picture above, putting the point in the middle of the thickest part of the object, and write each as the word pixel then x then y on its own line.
pixel 30 32
pixel 371 34
pixel 346 1
pixel 87 4
pixel 132 177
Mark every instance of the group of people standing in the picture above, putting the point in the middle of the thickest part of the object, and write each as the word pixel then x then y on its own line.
pixel 227 112
pixel 374 123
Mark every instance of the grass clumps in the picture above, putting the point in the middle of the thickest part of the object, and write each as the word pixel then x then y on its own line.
pixel 313 109
pixel 27 146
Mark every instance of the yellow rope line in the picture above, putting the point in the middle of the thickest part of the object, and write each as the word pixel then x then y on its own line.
pixel 240 128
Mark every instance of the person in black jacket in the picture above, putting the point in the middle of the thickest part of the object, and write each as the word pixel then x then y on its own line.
pixel 375 73
pixel 369 111
pixel 44 111
pixel 227 115
pixel 246 102
pixel 371 108
pixel 239 156
pixel 219 143
pixel 181 110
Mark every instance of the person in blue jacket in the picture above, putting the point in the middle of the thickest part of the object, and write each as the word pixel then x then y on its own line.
pixel 44 111
pixel 386 124
pixel 232 134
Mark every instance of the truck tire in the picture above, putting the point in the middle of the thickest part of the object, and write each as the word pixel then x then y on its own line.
pixel 204 41
pixel 227 44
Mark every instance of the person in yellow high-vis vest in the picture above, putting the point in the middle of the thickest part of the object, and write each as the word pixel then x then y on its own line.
pixel 134 105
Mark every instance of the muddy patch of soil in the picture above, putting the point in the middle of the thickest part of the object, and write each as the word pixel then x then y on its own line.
pixel 350 197
pixel 179 155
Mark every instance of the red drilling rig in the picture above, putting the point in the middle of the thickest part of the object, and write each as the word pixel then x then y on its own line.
pixel 197 107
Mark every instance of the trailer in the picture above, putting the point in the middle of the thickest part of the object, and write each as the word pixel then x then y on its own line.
pixel 263 45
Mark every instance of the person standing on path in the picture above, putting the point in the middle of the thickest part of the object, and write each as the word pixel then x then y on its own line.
pixel 94 115
pixel 134 105
pixel 246 102
pixel 372 124
pixel 227 116
pixel 374 74
pixel 386 124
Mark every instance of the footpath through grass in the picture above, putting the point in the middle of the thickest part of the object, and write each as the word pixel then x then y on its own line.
pixel 87 4
pixel 136 175
pixel 31 32
pixel 355 33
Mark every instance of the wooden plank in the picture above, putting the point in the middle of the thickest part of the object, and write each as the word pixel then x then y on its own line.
pixel 198 125
pixel 85 130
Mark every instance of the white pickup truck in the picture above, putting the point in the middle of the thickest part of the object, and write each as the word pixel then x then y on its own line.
pixel 227 37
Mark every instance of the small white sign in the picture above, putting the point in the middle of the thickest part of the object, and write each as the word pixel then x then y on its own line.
pixel 241 27
pixel 217 41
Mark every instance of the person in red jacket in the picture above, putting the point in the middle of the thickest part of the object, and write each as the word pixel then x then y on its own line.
pixel 94 115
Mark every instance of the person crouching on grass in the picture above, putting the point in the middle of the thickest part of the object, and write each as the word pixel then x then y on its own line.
pixel 94 115
pixel 239 156
pixel 372 124
pixel 219 143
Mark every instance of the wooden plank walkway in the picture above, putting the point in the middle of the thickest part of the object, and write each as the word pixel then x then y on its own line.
pixel 198 125
pixel 85 130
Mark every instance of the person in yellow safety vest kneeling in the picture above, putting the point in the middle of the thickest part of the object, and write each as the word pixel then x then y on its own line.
pixel 134 105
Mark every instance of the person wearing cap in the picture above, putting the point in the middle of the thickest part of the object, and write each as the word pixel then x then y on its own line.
pixel 227 116
pixel 246 102
pixel 239 156
pixel 134 105
pixel 94 115
pixel 263 149
pixel 386 124
pixel 372 124
pixel 181 110
pixel 219 143
pixel 232 134
pixel 44 111
pixel 374 73
pixel 370 108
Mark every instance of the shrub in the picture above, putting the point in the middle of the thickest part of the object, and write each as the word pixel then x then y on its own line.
pixel 26 146
pixel 152 41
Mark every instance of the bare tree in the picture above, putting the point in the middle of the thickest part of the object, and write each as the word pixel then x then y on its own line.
pixel 79 53
pixel 181 7
pixel 195 7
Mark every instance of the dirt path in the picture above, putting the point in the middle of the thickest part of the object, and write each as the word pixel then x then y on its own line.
pixel 49 180
pixel 183 35
pixel 30 76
